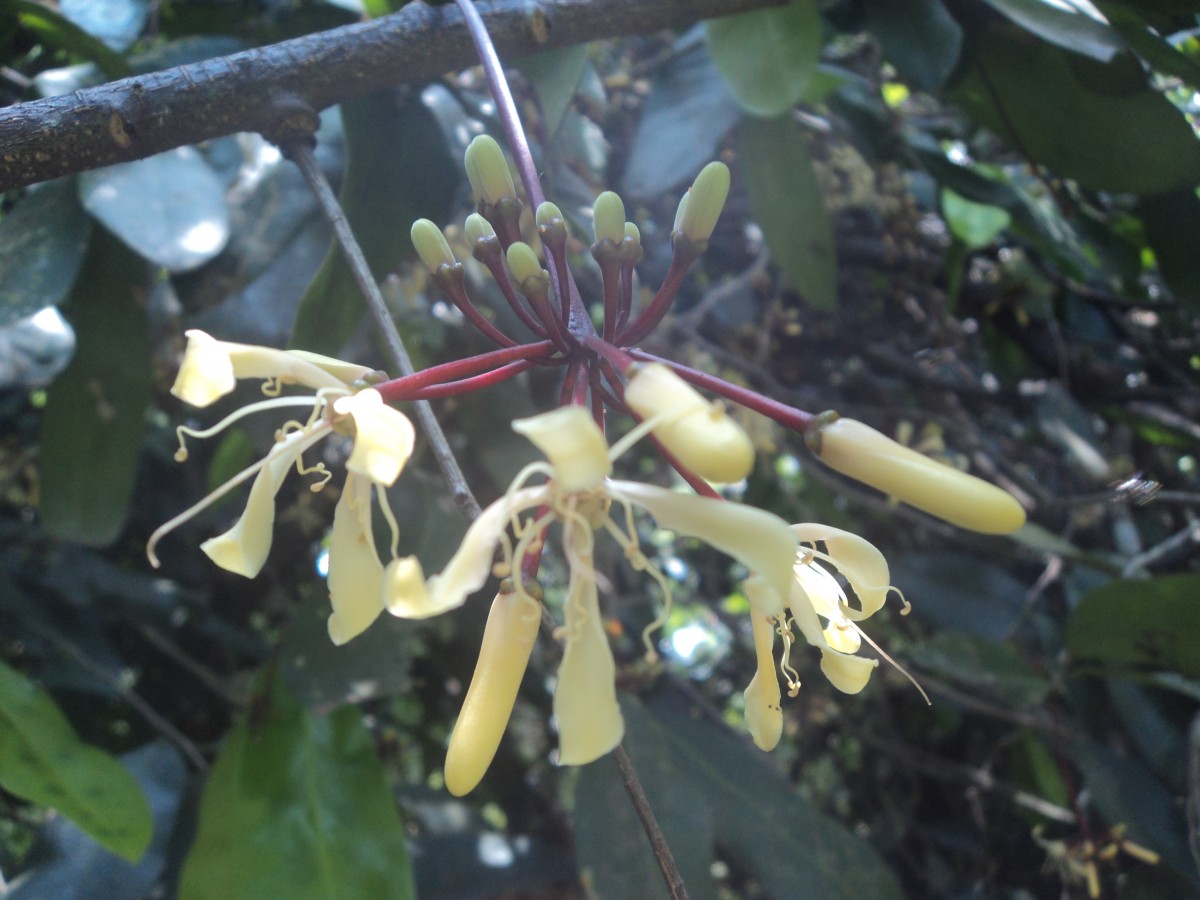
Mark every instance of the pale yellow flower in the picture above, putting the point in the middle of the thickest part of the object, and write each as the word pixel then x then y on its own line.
pixel 383 441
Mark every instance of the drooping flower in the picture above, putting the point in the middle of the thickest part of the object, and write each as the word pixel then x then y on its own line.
pixel 343 403
pixel 580 497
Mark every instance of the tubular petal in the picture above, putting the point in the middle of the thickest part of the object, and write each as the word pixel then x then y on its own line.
pixel 383 439
pixel 849 674
pixel 508 639
pixel 764 714
pixel 206 373
pixel 573 443
pixel 355 572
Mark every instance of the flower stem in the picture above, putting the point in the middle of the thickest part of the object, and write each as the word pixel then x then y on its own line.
pixel 407 387
pixel 653 314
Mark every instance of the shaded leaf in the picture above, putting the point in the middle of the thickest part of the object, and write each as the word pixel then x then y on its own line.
pixel 960 592
pixel 1160 53
pixel 397 169
pixel 43 761
pixel 614 856
pixel 1151 623
pixel 1172 222
pixel 984 666
pixel 918 37
pixel 555 75
pixel 116 22
pixel 297 806
pixel 81 869
pixel 1100 125
pixel 762 826
pixel 93 425
pixel 170 208
pixel 1064 27
pixel 42 244
pixel 768 55
pixel 786 202
pixel 687 113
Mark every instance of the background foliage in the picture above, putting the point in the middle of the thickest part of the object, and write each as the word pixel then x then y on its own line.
pixel 969 223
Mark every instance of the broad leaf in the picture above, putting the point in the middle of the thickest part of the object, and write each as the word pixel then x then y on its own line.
pixel 984 666
pixel 786 201
pixel 61 33
pixel 761 824
pixel 1069 29
pixel 95 409
pixel 918 37
pixel 297 806
pixel 975 224
pixel 555 75
pixel 170 208
pixel 1101 125
pixel 1149 623
pixel 43 761
pixel 116 22
pixel 397 170
pixel 42 244
pixel 769 55
pixel 1172 222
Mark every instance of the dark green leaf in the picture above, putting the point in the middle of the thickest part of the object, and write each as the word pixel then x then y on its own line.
pixel 1160 53
pixel 43 761
pixel 786 201
pixel 555 75
pixel 42 243
pixel 94 421
pixel 1102 126
pixel 983 666
pixel 397 170
pixel 1150 623
pixel 918 37
pixel 116 22
pixel 614 857
pixel 1070 30
pixel 63 34
pixel 768 56
pixel 170 208
pixel 688 111
pixel 1172 222
pixel 762 826
pixel 297 806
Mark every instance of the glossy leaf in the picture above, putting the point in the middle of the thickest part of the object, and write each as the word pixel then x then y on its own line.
pixel 768 56
pixel 61 33
pixel 297 806
pixel 786 201
pixel 614 857
pixel 1101 125
pixel 687 113
pixel 42 244
pixel 397 170
pixel 555 75
pixel 1064 27
pixel 116 22
pixel 94 419
pixel 918 37
pixel 170 208
pixel 1160 53
pixel 761 825
pixel 1149 623
pixel 43 761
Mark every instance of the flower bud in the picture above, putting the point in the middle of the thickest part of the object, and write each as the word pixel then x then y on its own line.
pixel 487 170
pixel 573 443
pixel 696 431
pixel 547 214
pixel 523 262
pixel 431 245
pixel 701 206
pixel 551 225
pixel 609 218
pixel 478 228
pixel 866 455
pixel 508 639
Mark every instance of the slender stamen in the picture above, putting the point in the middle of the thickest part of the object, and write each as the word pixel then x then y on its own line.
pixel 202 433
pixel 390 518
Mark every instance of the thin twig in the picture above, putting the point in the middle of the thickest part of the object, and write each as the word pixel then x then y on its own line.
pixel 300 152
pixel 658 843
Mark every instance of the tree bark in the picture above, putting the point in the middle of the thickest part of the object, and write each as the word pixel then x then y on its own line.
pixel 279 88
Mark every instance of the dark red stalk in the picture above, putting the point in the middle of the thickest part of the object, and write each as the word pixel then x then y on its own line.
pixel 404 388
pixel 454 291
pixel 787 416
pixel 653 314
pixel 475 383
pixel 610 270
pixel 499 274
pixel 614 356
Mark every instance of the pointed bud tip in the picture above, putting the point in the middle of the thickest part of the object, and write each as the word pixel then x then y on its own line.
pixel 431 245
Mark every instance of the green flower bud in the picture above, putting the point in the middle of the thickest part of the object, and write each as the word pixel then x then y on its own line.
pixel 548 214
pixel 866 455
pixel 632 233
pixel 701 206
pixel 609 218
pixel 487 170
pixel 523 262
pixel 478 228
pixel 431 245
